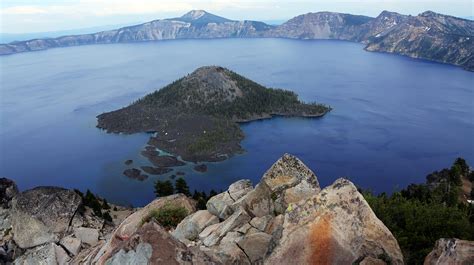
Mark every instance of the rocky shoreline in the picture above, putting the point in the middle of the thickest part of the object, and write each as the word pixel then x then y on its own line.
pixel 287 218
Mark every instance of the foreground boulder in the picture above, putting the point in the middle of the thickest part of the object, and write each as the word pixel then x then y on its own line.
pixel 42 215
pixel 290 181
pixel 336 226
pixel 152 244
pixel 287 219
pixel 47 254
pixel 451 251
pixel 192 225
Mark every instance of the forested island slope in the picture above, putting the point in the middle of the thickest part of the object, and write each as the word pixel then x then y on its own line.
pixel 197 116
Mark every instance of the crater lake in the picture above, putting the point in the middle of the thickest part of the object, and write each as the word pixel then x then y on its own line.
pixel 394 119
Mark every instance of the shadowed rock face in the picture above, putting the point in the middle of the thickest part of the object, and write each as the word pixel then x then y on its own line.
pixel 451 251
pixel 8 190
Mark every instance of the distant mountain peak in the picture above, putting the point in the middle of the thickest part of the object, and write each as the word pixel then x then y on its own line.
pixel 194 14
pixel 201 17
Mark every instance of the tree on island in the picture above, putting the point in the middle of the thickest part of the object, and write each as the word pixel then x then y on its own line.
pixel 163 188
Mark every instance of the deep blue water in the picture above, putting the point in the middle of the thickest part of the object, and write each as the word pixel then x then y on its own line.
pixel 395 119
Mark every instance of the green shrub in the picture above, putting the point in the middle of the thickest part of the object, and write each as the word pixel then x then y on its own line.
pixel 168 216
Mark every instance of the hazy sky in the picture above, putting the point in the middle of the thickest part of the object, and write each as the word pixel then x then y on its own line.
pixel 24 16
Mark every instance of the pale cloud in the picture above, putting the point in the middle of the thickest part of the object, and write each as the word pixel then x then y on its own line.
pixel 23 10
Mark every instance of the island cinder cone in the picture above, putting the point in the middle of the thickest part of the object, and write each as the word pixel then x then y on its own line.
pixel 196 116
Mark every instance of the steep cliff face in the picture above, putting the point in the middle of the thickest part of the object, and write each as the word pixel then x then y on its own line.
pixel 430 36
pixel 322 25
pixel 194 24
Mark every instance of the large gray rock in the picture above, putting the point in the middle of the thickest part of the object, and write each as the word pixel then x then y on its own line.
pixel 255 246
pixel 8 190
pixel 259 202
pixel 140 255
pixel 221 204
pixel 71 244
pixel 42 215
pixel 227 251
pixel 336 226
pixel 214 233
pixel 451 251
pixel 47 254
pixel 87 235
pixel 193 224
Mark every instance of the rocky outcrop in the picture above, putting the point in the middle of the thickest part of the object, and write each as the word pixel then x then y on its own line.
pixel 284 219
pixel 451 251
pixel 335 226
pixel 288 219
pixel 50 225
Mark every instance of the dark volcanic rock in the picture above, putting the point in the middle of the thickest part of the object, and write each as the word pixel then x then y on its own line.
pixel 8 190
pixel 180 173
pixel 128 162
pixel 156 170
pixel 166 161
pixel 149 152
pixel 134 173
pixel 201 168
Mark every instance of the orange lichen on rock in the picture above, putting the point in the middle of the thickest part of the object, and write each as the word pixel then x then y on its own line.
pixel 321 242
